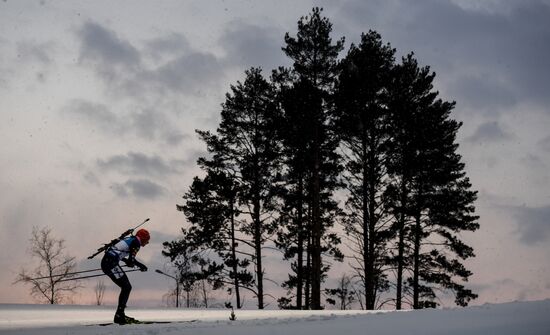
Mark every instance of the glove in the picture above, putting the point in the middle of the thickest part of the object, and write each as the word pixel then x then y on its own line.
pixel 141 267
pixel 128 262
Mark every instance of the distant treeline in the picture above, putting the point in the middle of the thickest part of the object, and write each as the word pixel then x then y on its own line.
pixel 351 154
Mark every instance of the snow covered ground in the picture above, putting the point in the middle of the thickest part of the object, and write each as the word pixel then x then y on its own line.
pixel 518 318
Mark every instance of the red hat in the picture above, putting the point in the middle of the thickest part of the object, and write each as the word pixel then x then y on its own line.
pixel 143 236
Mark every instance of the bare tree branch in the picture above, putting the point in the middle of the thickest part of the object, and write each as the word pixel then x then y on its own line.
pixel 54 266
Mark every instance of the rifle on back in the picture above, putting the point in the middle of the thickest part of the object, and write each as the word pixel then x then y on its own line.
pixel 116 240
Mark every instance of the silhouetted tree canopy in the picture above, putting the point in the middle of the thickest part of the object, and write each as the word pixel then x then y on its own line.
pixel 340 156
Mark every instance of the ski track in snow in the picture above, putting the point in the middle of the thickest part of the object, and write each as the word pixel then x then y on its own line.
pixel 518 318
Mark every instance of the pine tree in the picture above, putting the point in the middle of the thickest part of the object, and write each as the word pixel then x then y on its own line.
pixel 425 169
pixel 448 211
pixel 285 146
pixel 246 148
pixel 361 100
pixel 294 136
pixel 315 63
pixel 403 161
pixel 210 207
pixel 293 238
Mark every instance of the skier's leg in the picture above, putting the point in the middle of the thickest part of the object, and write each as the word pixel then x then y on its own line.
pixel 125 289
pixel 111 268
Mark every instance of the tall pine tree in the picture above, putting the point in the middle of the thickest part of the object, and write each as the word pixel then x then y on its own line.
pixel 210 207
pixel 425 169
pixel 249 152
pixel 294 231
pixel 315 63
pixel 361 101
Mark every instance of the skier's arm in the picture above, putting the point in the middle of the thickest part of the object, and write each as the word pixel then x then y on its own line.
pixel 130 261
pixel 134 248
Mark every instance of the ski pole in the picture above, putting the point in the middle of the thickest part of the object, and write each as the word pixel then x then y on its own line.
pixel 65 274
pixel 69 273
pixel 92 276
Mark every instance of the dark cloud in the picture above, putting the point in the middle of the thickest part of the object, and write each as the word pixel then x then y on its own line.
pixel 158 237
pixel 7 69
pixel 35 52
pixel 192 157
pixel 533 162
pixel 105 49
pixel 249 45
pixel 91 178
pixel 151 124
pixel 482 93
pixel 175 138
pixel 139 188
pixel 489 132
pixel 507 50
pixel 138 164
pixel 145 123
pixel 189 73
pixel 167 46
pixel 176 68
pixel 544 144
pixel 38 57
pixel 533 224
pixel 3 77
pixel 120 190
pixel 95 116
pixel 115 60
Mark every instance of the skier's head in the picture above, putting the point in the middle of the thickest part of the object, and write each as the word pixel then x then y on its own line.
pixel 143 236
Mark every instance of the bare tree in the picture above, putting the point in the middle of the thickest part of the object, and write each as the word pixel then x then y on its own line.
pixel 99 292
pixel 205 292
pixel 191 297
pixel 50 280
pixel 195 294
pixel 344 293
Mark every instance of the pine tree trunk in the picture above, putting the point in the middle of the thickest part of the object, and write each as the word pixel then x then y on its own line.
pixel 371 225
pixel 401 247
pixel 257 233
pixel 234 256
pixel 316 228
pixel 416 273
pixel 308 272
pixel 300 266
pixel 367 231
pixel 366 238
pixel 258 251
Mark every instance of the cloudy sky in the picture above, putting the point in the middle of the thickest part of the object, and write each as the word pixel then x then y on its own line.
pixel 99 101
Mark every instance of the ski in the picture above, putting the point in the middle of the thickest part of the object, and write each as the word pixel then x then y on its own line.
pixel 133 323
pixel 137 322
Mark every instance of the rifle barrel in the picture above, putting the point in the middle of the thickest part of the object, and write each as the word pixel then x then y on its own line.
pixel 113 242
